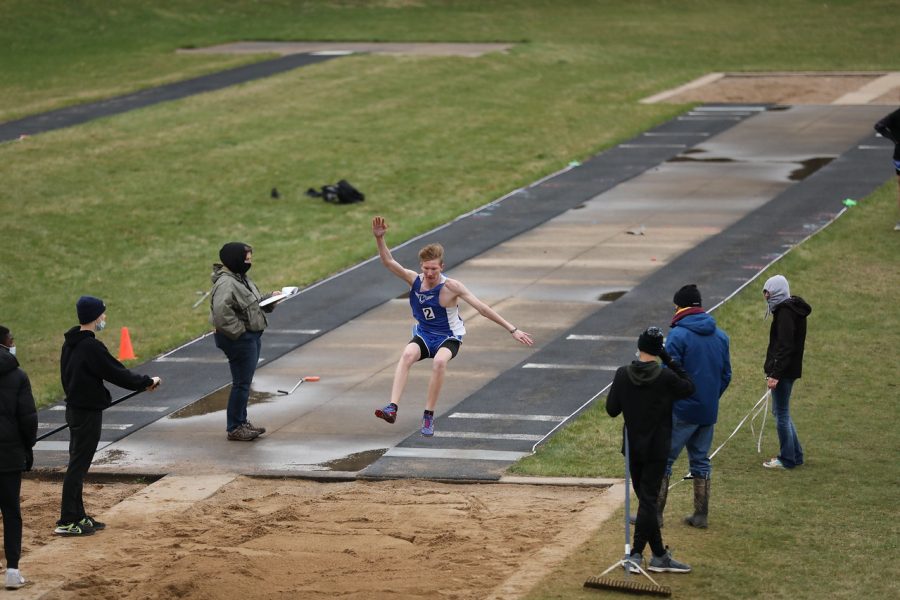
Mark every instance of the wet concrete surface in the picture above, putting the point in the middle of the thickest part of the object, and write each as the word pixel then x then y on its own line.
pixel 584 281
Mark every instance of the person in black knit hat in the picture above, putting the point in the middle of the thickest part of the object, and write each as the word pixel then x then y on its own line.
pixel 643 392
pixel 85 364
pixel 703 349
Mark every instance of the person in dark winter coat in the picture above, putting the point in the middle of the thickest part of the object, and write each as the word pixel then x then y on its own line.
pixel 784 365
pixel 235 312
pixel 85 364
pixel 18 432
pixel 889 128
pixel 644 393
pixel 703 350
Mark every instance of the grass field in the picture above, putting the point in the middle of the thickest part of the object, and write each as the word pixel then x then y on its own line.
pixel 133 208
pixel 820 531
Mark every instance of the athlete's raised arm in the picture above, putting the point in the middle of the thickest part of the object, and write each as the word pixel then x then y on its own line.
pixel 486 311
pixel 379 228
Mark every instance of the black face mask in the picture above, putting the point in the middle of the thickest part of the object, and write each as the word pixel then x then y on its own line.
pixel 233 255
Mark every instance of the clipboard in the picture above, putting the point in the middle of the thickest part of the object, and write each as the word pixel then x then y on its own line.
pixel 286 292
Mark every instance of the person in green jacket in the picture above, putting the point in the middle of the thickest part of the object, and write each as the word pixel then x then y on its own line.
pixel 239 321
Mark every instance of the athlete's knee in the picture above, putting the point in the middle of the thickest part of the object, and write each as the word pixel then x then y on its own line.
pixel 410 356
pixel 440 362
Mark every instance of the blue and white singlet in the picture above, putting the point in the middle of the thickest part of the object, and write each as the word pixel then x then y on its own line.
pixel 434 323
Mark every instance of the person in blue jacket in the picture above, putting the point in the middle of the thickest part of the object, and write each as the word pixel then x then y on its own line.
pixel 703 349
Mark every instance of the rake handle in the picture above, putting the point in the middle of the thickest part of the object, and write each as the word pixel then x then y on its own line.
pixel 66 425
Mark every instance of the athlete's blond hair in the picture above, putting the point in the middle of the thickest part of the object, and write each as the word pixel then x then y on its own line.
pixel 432 252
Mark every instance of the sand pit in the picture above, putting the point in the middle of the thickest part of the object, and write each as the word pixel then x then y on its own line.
pixel 273 538
pixel 787 88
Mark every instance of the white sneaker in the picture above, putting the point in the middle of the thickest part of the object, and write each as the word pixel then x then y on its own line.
pixel 14 579
pixel 773 463
pixel 897 226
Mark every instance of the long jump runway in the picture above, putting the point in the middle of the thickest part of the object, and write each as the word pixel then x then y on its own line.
pixel 583 260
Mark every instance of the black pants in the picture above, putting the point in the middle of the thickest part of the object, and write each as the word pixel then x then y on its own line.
pixel 10 491
pixel 84 435
pixel 646 478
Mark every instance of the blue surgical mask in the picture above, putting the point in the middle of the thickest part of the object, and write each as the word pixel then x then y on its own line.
pixel 100 326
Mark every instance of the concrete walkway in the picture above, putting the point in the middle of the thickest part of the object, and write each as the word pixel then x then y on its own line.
pixel 710 198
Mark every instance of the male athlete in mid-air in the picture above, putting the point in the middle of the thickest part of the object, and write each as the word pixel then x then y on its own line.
pixel 438 331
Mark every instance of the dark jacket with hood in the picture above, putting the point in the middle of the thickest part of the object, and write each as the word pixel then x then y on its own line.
pixel 787 339
pixel 18 416
pixel 84 365
pixel 644 393
pixel 703 350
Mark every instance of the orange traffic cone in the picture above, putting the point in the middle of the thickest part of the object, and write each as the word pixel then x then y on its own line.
pixel 126 352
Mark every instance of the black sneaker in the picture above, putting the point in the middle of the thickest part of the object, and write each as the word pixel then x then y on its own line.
pixel 92 523
pixel 73 529
pixel 667 564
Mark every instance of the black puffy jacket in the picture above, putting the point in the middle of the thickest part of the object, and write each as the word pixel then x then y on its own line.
pixel 787 339
pixel 18 416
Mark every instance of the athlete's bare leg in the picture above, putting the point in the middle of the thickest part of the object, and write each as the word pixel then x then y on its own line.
pixel 411 354
pixel 438 370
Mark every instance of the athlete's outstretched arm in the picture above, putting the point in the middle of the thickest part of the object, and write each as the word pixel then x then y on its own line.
pixel 379 228
pixel 486 311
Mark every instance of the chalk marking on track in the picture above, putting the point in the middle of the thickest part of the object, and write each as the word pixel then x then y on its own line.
pixel 501 455
pixel 62 446
pixel 474 435
pixel 675 133
pixel 294 331
pixel 652 146
pixel 498 417
pixel 569 367
pixel 123 408
pixel 600 338
pixel 112 426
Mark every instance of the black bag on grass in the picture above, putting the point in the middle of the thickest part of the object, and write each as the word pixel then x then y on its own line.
pixel 342 192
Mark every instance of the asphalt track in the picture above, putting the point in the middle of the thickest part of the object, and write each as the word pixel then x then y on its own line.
pixel 521 398
pixel 82 113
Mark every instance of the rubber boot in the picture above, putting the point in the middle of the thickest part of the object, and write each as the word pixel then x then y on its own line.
pixel 661 499
pixel 700 518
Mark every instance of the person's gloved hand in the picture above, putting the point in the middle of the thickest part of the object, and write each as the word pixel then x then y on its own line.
pixel 664 356
pixel 29 458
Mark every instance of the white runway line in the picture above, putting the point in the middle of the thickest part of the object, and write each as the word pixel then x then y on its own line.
pixel 728 109
pixel 601 338
pixel 674 134
pixel 112 426
pixel 707 118
pixel 454 453
pixel 62 446
pixel 473 435
pixel 186 359
pixel 652 146
pixel 124 408
pixel 498 417
pixel 294 331
pixel 569 367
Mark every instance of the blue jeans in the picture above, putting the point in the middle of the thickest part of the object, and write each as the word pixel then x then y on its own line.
pixel 698 439
pixel 243 356
pixel 791 454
